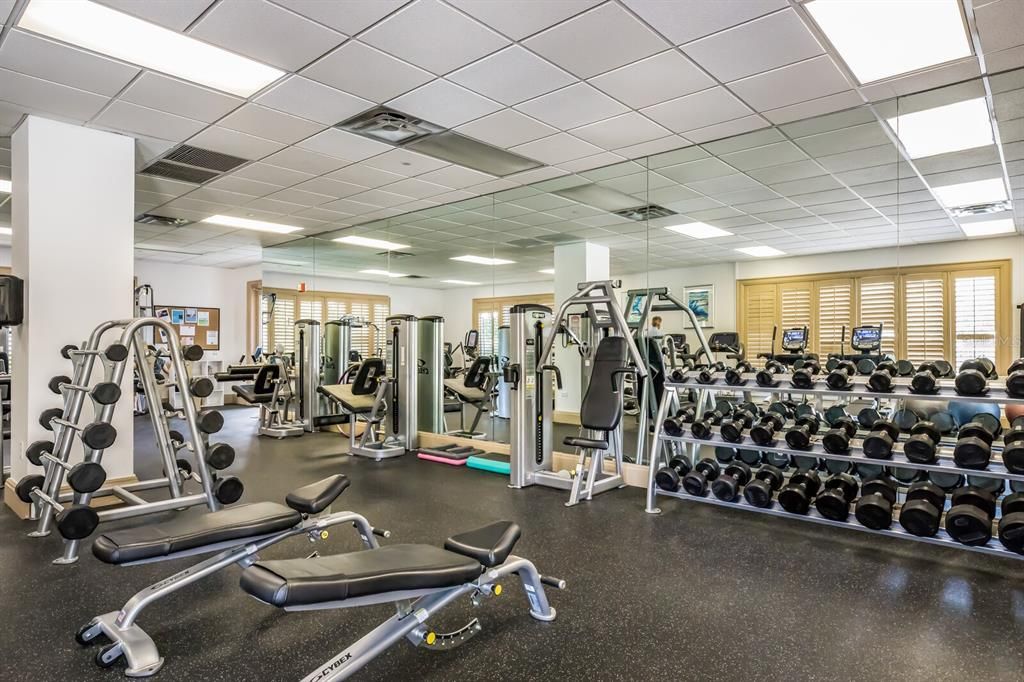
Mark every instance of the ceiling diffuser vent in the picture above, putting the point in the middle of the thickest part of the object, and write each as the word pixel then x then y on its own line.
pixel 396 255
pixel 162 221
pixel 466 151
pixel 388 125
pixel 526 243
pixel 644 213
pixel 981 209
pixel 193 164
pixel 175 172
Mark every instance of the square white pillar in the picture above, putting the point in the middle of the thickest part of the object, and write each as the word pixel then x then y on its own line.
pixel 575 263
pixel 73 244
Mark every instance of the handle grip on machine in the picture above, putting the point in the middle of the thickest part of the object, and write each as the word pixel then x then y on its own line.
pixel 617 372
pixel 558 373
pixel 556 583
pixel 381 533
pixel 511 375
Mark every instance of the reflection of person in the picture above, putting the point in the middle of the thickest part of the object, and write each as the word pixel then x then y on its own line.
pixel 655 331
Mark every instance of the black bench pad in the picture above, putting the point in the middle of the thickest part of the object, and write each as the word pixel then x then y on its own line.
pixel 489 545
pixel 192 531
pixel 315 497
pixel 580 442
pixel 295 582
pixel 249 394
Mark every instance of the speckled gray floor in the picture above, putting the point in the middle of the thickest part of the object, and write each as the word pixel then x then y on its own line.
pixel 696 593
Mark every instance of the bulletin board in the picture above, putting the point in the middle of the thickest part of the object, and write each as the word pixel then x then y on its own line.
pixel 194 324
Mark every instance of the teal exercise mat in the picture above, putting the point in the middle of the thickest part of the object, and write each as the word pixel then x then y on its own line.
pixel 491 461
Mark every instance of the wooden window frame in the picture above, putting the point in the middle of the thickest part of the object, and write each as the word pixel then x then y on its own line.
pixel 375 337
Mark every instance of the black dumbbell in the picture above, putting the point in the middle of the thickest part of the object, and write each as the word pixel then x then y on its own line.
pixel 678 376
pixel 969 519
pixel 867 472
pixel 227 490
pixel 727 486
pixel 839 466
pixel 724 455
pixel 973 448
pixel 766 481
pixel 804 376
pixel 739 421
pixel 675 426
pixel 865 366
pixel 881 378
pixel 219 456
pixel 767 377
pixel 837 440
pixel 839 379
pixel 750 457
pixel 923 442
pixel 200 387
pixel 778 459
pixel 1015 379
pixel 796 496
pixel 904 368
pixel 800 434
pixel 1013 448
pixel 972 379
pixel 706 375
pixel 921 512
pixel 210 421
pixel 947 481
pixel 695 482
pixel 701 427
pixel 734 375
pixel 905 418
pixel 867 417
pixel 924 381
pixel 670 477
pixel 763 432
pixel 834 501
pixel 996 486
pixel 905 475
pixel 1011 523
pixel 87 477
pixel 878 443
pixel 874 508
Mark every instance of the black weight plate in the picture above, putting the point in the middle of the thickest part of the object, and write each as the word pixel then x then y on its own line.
pixel 116 352
pixel 905 475
pixel 969 525
pixel 804 463
pixel 987 483
pixel 874 512
pixel 777 459
pixel 804 409
pixel 834 413
pixel 1011 532
pixel 865 366
pixel 920 518
pixel 750 457
pixel 1012 504
pixel 220 456
pixel 87 477
pixel 869 472
pixel 228 490
pixel 867 417
pixel 106 393
pixel 989 421
pixel 725 454
pixel 26 485
pixel 758 493
pixel 946 481
pixel 794 499
pixel 838 466
pixel 904 368
pixel 832 505
pixel 99 435
pixel 77 522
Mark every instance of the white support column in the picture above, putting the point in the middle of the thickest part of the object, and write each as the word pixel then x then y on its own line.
pixel 575 263
pixel 72 210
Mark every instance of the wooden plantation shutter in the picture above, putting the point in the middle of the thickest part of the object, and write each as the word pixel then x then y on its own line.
pixel 924 329
pixel 284 324
pixel 878 306
pixel 760 304
pixel 491 313
pixel 974 315
pixel 795 310
pixel 311 309
pixel 835 305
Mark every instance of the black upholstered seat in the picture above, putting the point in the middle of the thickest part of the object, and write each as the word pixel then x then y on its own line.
pixel 262 391
pixel 581 442
pixel 247 392
pixel 394 568
pixel 193 531
pixel 315 497
pixel 489 545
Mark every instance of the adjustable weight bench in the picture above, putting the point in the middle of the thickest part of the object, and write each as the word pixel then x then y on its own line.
pixel 419 579
pixel 237 534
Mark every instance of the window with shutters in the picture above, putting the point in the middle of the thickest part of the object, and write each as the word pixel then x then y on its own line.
pixel 795 308
pixel 283 322
pixel 878 306
pixel 974 315
pixel 835 301
pixel 322 307
pixel 759 317
pixel 491 313
pixel 924 326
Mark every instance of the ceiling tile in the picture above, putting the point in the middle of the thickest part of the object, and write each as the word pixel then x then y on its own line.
pixel 760 157
pixel 36 56
pixel 591 162
pixel 131 118
pixel 698 110
pixel 416 188
pixel 572 107
pixel 628 129
pixel 367 72
pixel 846 139
pixel 787 171
pixel 656 79
pixel 1000 24
pixel 253 188
pixel 506 128
pixel 512 76
pixel 151 183
pixel 344 145
pixel 164 93
pixel 800 82
pixel 44 96
pixel 219 196
pixel 766 43
pixel 444 103
pixel 266 32
pixel 330 187
pixel 312 100
pixel 361 174
pixel 349 17
pixel 684 20
pixel 665 144
pixel 404 162
pixel 433 36
pixel 282 208
pixel 235 143
pixel 697 170
pixel 814 107
pixel 298 196
pixel 275 175
pixel 173 14
pixel 456 176
pixel 304 161
pixel 520 18
pixel 269 124
pixel 596 41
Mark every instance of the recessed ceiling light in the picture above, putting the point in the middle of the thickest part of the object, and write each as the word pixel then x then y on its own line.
pixel 372 243
pixel 699 230
pixel 761 251
pixel 547 271
pixel 949 128
pixel 985 228
pixel 5 186
pixel 122 36
pixel 383 273
pixel 480 260
pixel 247 224
pixel 460 281
pixel 971 193
pixel 882 39
pixel 6 231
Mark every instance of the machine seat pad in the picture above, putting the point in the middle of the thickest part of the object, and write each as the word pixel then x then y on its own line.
pixel 473 395
pixel 342 393
pixel 191 531
pixel 490 545
pixel 315 497
pixel 581 442
pixel 295 582
pixel 247 392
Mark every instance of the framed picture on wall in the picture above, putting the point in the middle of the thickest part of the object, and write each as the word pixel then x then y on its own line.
pixel 701 300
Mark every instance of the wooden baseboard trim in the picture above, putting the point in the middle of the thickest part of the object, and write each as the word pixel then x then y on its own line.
pixel 572 418
pixel 22 509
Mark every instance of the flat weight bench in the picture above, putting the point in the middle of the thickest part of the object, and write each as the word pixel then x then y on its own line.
pixel 418 579
pixel 237 534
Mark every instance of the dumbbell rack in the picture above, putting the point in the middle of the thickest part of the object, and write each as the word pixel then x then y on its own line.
pixel 901 390
pixel 47 500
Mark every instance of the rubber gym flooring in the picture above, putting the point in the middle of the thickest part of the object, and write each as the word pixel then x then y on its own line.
pixel 695 593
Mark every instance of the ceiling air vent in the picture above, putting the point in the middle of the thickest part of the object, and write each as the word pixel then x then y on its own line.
pixel 526 243
pixel 465 151
pixel 396 255
pixel 193 164
pixel 388 125
pixel 175 172
pixel 644 213
pixel 981 209
pixel 163 221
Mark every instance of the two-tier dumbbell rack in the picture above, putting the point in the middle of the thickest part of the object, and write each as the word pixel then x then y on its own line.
pixel 858 390
pixel 44 491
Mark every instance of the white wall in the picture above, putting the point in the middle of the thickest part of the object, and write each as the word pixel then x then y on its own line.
pixel 457 304
pixel 5 256
pixel 405 300
pixel 720 275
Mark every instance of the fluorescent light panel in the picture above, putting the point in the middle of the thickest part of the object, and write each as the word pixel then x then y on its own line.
pixel 761 251
pixel 971 193
pixel 950 128
pixel 372 243
pixel 699 230
pixel 985 228
pixel 247 224
pixel 885 38
pixel 547 271
pixel 460 281
pixel 383 273
pixel 5 186
pixel 480 260
pixel 122 36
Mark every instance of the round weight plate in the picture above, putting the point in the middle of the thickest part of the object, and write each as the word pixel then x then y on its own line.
pixel 192 353
pixel 55 382
pixel 34 452
pixel 865 366
pixel 838 466
pixel 920 518
pixel 65 352
pixel 26 485
pixel 220 456
pixel 832 505
pixel 77 522
pixel 794 499
pixel 87 477
pixel 200 387
pixel 874 512
pixel 116 352
pixel 750 457
pixel 758 493
pixel 48 414
pixel 184 465
pixel 106 393
pixel 1011 532
pixel 904 368
pixel 969 525
pixel 212 421
pixel 725 454
pixel 867 417
pixel 834 413
pixel 99 435
pixel 228 490
pixel 868 472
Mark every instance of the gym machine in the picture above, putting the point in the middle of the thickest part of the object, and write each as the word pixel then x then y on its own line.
pixel 794 347
pixel 311 409
pixel 430 374
pixel 338 348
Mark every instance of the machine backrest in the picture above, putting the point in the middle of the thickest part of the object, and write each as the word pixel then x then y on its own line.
pixel 265 378
pixel 476 377
pixel 368 377
pixel 602 405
